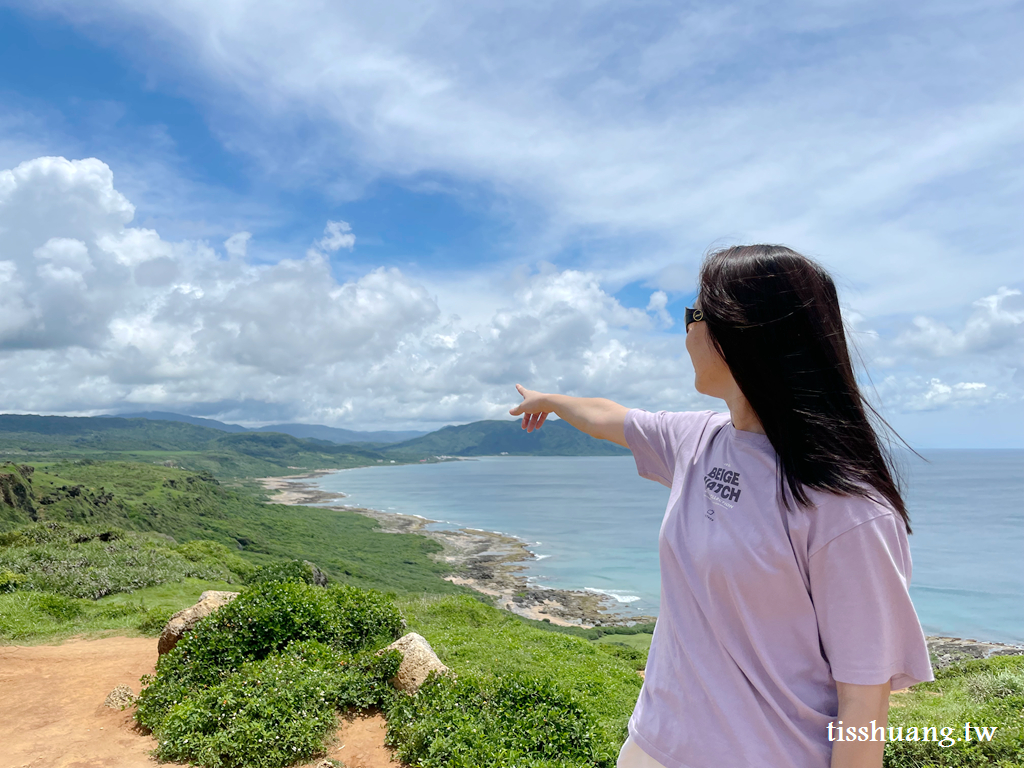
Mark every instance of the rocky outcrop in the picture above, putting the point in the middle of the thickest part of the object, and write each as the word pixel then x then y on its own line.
pixel 318 576
pixel 16 488
pixel 418 661
pixel 184 620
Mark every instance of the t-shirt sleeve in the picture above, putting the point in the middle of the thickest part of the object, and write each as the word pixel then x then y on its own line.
pixel 868 626
pixel 657 440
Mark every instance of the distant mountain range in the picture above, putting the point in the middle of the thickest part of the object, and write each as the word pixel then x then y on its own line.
pixel 253 452
pixel 316 431
pixel 226 454
pixel 480 438
pixel 492 438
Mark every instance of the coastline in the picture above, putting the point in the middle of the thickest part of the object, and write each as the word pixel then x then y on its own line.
pixel 493 564
pixel 490 563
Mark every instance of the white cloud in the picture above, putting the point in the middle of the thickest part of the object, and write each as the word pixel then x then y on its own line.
pixel 997 322
pixel 657 305
pixel 238 244
pixel 935 394
pixel 337 234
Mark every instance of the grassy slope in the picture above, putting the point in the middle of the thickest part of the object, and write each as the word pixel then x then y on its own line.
pixel 185 505
pixel 985 692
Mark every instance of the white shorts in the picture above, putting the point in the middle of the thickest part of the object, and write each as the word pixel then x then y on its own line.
pixel 631 756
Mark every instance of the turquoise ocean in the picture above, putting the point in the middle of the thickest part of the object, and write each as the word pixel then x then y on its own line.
pixel 593 523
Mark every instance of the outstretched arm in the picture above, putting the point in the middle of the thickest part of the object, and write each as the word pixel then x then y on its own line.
pixel 600 418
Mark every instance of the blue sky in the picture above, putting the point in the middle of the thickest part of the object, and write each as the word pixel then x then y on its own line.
pixel 519 192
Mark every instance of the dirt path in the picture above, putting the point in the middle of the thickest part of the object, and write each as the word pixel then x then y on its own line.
pixel 52 713
pixel 360 743
pixel 51 704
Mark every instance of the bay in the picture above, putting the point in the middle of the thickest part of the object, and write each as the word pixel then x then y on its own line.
pixel 593 524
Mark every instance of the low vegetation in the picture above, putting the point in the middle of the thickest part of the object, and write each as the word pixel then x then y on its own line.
pixel 92 562
pixel 516 720
pixel 41 617
pixel 987 693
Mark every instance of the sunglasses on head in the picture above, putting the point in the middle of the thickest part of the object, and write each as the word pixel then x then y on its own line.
pixel 693 316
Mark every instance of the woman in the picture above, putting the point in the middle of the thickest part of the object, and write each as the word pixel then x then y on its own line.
pixel 784 560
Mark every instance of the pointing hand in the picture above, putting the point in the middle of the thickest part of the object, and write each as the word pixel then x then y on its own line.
pixel 533 408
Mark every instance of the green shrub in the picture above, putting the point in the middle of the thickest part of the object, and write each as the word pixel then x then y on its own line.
pixel 997 683
pixel 262 621
pixel 467 722
pixel 10 581
pixel 154 620
pixel 293 570
pixel 11 539
pixel 212 552
pixel 55 532
pixel 59 607
pixel 636 658
pixel 120 610
pixel 275 711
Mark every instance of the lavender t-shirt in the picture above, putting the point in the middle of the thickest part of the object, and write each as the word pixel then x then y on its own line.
pixel 763 609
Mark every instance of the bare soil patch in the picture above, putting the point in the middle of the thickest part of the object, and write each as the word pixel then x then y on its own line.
pixel 51 704
pixel 52 713
pixel 359 743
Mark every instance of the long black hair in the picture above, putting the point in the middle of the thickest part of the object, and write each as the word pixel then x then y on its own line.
pixel 774 317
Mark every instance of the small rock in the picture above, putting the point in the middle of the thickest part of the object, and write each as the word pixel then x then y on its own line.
pixel 184 620
pixel 418 661
pixel 119 698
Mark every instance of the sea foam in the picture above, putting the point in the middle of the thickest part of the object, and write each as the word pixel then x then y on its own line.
pixel 617 595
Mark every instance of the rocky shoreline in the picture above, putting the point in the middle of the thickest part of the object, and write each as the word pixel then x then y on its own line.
pixel 488 562
pixel 950 650
pixel 493 563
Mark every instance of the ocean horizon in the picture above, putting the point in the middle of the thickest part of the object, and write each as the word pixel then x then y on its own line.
pixel 592 524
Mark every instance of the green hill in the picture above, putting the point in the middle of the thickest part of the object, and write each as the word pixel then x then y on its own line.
pixel 188 506
pixel 240 454
pixel 490 438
